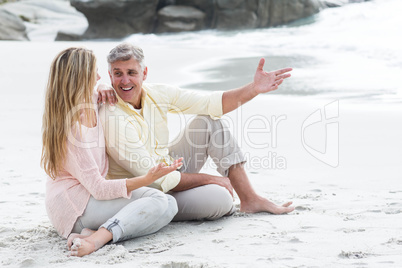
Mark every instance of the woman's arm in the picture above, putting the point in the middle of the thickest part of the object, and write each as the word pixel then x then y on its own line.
pixel 152 175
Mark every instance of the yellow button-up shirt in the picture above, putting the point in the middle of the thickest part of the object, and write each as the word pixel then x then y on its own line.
pixel 137 141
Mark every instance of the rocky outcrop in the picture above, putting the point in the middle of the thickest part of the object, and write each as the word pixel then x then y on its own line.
pixel 11 27
pixel 44 18
pixel 339 3
pixel 180 18
pixel 285 11
pixel 117 19
pixel 235 19
pixel 238 14
pixel 206 6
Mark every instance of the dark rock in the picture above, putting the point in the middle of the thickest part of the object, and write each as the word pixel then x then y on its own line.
pixel 285 11
pixel 235 19
pixel 163 3
pixel 206 6
pixel 253 4
pixel 333 3
pixel 180 18
pixel 117 19
pixel 68 37
pixel 11 27
pixel 228 4
pixel 263 7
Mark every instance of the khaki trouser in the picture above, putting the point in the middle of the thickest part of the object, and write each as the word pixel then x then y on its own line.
pixel 204 137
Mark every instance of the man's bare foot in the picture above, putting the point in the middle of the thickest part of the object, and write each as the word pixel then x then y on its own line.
pixel 260 204
pixel 84 233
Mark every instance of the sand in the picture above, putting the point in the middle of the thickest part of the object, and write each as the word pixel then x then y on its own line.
pixel 348 210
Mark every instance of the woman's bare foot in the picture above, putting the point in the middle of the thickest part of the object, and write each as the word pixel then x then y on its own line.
pixel 84 233
pixel 260 204
pixel 82 246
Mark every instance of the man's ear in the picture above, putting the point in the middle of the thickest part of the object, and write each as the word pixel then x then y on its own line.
pixel 145 73
pixel 110 76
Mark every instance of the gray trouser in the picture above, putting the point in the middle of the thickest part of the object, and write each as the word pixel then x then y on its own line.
pixel 204 137
pixel 145 213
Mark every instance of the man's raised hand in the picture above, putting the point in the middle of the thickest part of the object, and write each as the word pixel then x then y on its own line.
pixel 268 81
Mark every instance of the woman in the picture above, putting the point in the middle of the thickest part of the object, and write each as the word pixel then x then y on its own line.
pixel 82 205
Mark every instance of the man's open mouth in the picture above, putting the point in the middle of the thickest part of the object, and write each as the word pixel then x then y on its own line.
pixel 126 88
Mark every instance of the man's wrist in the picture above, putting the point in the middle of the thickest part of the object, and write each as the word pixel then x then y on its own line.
pixel 210 179
pixel 252 91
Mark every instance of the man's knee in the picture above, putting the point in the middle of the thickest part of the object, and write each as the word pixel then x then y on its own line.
pixel 208 202
pixel 221 202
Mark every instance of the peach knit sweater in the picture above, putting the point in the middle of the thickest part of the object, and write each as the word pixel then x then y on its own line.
pixel 85 168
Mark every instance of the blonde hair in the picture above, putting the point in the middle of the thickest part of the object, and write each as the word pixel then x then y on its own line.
pixel 71 82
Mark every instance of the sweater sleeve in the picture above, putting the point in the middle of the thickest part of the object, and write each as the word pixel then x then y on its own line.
pixel 193 102
pixel 81 163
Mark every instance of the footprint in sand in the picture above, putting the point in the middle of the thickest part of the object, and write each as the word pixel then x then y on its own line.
pixel 348 231
pixel 354 254
pixel 175 264
pixel 394 240
pixel 303 208
pixel 158 248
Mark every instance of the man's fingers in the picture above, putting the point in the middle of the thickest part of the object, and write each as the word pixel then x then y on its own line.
pixel 282 71
pixel 261 65
pixel 282 76
pixel 231 192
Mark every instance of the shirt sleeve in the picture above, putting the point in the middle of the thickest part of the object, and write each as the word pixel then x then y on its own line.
pixel 81 164
pixel 193 102
pixel 127 148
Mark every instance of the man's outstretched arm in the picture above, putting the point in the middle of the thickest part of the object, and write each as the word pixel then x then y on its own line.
pixel 263 82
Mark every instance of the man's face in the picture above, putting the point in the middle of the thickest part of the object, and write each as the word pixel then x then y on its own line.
pixel 126 78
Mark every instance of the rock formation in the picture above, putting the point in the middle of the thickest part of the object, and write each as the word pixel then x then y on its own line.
pixel 285 11
pixel 117 18
pixel 42 19
pixel 180 18
pixel 11 27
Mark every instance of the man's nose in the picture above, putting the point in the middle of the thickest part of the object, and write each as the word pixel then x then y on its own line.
pixel 125 79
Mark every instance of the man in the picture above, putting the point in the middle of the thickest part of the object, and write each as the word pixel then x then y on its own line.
pixel 137 137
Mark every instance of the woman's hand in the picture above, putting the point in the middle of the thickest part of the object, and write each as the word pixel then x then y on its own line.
pixel 106 93
pixel 152 175
pixel 161 170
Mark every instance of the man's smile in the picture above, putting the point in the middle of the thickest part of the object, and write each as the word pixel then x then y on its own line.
pixel 126 88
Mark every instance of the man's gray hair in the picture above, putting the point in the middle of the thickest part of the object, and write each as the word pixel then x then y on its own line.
pixel 126 51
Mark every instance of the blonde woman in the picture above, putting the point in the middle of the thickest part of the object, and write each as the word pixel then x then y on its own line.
pixel 82 205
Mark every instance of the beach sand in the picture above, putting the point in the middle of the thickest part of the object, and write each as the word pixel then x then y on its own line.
pixel 348 210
